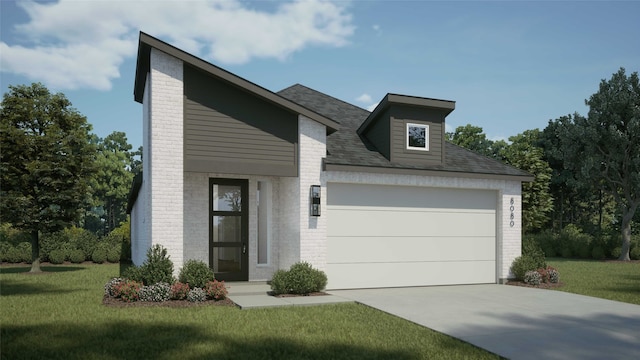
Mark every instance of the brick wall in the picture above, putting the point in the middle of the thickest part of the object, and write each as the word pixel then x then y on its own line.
pixel 313 229
pixel 164 154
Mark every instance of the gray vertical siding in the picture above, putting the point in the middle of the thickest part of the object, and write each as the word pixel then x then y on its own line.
pixel 229 130
pixel 400 116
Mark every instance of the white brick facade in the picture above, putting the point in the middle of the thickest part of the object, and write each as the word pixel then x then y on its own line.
pixel 162 187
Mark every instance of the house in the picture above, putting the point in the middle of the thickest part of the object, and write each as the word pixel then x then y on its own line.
pixel 251 181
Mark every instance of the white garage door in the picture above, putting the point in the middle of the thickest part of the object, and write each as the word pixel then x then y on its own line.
pixel 386 236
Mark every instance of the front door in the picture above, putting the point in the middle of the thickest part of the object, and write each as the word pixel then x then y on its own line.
pixel 228 229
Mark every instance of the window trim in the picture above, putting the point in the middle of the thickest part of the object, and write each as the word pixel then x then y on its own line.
pixel 426 137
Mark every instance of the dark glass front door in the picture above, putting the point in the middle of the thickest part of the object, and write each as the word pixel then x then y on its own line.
pixel 228 229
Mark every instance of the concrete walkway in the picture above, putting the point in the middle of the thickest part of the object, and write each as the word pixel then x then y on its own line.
pixel 516 322
pixel 251 295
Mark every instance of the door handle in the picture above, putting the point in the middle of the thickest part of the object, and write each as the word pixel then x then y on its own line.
pixel 244 248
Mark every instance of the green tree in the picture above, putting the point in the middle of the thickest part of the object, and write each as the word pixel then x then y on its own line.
pixel 525 154
pixel 471 138
pixel 113 179
pixel 605 146
pixel 45 163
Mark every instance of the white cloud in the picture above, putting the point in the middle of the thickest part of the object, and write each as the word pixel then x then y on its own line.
pixel 76 44
pixel 364 98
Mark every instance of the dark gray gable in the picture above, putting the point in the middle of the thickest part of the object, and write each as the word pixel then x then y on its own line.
pixel 348 151
pixel 147 42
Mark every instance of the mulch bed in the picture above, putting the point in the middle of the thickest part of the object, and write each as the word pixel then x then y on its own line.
pixel 118 303
pixel 541 286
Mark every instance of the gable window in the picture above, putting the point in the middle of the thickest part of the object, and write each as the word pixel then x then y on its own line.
pixel 417 137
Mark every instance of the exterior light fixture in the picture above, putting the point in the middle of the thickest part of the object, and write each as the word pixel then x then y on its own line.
pixel 315 200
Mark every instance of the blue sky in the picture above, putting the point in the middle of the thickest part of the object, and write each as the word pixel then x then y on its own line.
pixel 510 66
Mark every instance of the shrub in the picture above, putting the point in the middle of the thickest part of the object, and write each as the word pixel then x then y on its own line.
pixel 533 250
pixel 616 252
pixel 553 275
pixel 215 290
pixel 57 256
pixel 79 238
pixel 634 254
pixel 110 288
pixel 179 291
pixel 573 242
pixel 301 278
pixel 598 253
pixel 76 256
pixel 196 273
pixel 52 241
pixel 155 293
pixel 4 250
pixel 99 255
pixel 113 255
pixel 128 290
pixel 532 278
pixel 24 252
pixel 566 252
pixel 133 273
pixel 157 267
pixel 12 255
pixel 525 263
pixel 197 295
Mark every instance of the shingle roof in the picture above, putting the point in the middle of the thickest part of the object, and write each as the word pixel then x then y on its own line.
pixel 346 147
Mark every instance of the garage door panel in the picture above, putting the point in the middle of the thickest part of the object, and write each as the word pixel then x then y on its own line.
pixel 351 222
pixel 375 275
pixel 390 236
pixel 410 197
pixel 412 249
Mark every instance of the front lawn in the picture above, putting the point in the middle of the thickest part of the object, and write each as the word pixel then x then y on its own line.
pixel 611 280
pixel 60 315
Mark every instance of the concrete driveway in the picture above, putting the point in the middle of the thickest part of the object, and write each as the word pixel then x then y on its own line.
pixel 516 322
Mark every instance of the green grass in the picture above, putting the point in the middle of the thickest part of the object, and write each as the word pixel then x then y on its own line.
pixel 59 315
pixel 608 280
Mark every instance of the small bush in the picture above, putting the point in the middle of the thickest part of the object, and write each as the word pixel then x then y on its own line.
pixel 196 273
pixel 279 282
pixel 616 252
pixel 76 256
pixel 113 255
pixel 301 278
pixel 128 290
pixel 532 278
pixel 215 290
pixel 157 267
pixel 634 254
pixel 79 238
pixel 12 255
pixel 525 263
pixel 197 295
pixel 566 252
pixel 110 288
pixel 57 256
pixel 99 255
pixel 4 250
pixel 179 291
pixel 24 252
pixel 553 275
pixel 133 273
pixel 598 253
pixel 155 293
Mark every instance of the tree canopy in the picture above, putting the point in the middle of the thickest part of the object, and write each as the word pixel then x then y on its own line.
pixel 46 161
pixel 604 147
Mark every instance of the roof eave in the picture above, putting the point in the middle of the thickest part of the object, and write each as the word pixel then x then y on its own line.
pixel 447 105
pixel 425 172
pixel 146 42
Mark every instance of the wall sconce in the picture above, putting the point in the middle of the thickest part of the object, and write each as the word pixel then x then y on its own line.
pixel 315 200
